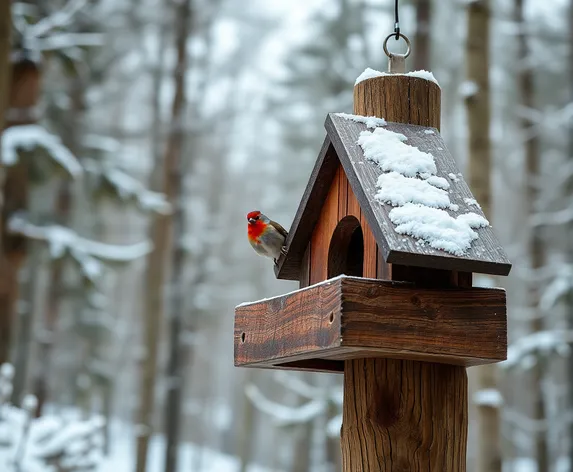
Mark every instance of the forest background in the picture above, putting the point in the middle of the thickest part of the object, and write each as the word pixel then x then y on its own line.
pixel 139 133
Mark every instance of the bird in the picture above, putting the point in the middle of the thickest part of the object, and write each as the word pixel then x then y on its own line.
pixel 265 235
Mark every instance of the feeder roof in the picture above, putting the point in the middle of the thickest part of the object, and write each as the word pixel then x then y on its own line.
pixel 411 243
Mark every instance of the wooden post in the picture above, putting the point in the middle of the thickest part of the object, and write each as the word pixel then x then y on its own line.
pixel 403 415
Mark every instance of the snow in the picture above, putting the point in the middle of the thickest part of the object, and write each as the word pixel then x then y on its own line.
pixel 30 137
pixel 468 89
pixel 488 397
pixel 87 253
pixel 453 176
pixel 409 183
pixel 437 228
pixel 49 443
pixel 125 186
pixel 522 352
pixel 397 190
pixel 369 121
pixel 371 73
pixel 439 182
pixel 30 403
pixel 560 286
pixel 471 201
pixel 388 150
pixel 285 415
pixel 7 371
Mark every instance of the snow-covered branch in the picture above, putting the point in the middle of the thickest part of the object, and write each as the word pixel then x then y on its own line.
pixel 128 188
pixel 89 254
pixel 524 352
pixel 59 19
pixel 30 137
pixel 561 217
pixel 285 415
pixel 70 40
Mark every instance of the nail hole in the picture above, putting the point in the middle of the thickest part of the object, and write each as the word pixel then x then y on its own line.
pixel 331 320
pixel 243 337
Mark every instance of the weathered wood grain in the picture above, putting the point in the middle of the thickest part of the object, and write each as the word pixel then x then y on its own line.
pixel 405 416
pixel 308 212
pixel 320 238
pixel 486 254
pixel 342 193
pixel 353 207
pixel 340 317
pixel 304 277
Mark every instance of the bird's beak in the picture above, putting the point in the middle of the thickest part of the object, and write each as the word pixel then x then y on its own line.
pixel 251 220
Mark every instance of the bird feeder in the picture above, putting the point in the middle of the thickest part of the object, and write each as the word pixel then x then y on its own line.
pixel 385 307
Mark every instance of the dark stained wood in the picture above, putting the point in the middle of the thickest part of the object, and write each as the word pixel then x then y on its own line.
pixel 322 234
pixel 406 416
pixel 304 280
pixel 486 254
pixel 306 217
pixel 343 316
pixel 346 249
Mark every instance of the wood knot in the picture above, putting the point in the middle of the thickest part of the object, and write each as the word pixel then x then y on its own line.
pixel 416 301
pixel 386 409
pixel 372 292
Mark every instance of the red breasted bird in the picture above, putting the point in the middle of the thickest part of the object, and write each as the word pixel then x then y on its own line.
pixel 265 235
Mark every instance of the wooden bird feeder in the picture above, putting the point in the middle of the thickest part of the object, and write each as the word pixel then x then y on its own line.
pixel 404 321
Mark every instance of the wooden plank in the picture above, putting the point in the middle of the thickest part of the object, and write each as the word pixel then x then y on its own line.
pixel 342 193
pixel 306 217
pixel 320 239
pixel 352 202
pixel 485 255
pixel 304 280
pixel 370 250
pixel 384 270
pixel 420 420
pixel 346 314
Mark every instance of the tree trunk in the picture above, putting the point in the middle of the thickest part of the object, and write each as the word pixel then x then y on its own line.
pixel 479 153
pixel 162 237
pixel 526 88
pixel 421 46
pixel 569 248
pixel 176 169
pixel 5 66
pixel 24 93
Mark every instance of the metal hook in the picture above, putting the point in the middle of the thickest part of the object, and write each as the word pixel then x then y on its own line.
pixel 397 62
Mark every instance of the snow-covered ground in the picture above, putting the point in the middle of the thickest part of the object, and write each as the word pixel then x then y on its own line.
pixel 122 455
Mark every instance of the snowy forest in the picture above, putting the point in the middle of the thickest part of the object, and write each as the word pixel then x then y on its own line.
pixel 137 134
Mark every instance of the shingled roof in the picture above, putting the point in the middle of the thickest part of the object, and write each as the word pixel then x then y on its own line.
pixel 340 146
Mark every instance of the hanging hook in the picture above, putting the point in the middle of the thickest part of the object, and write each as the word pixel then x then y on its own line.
pixel 397 62
pixel 396 21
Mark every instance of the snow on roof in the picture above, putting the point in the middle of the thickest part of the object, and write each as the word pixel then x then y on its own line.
pixel 369 121
pixel 437 228
pixel 371 73
pixel 387 149
pixel 410 183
